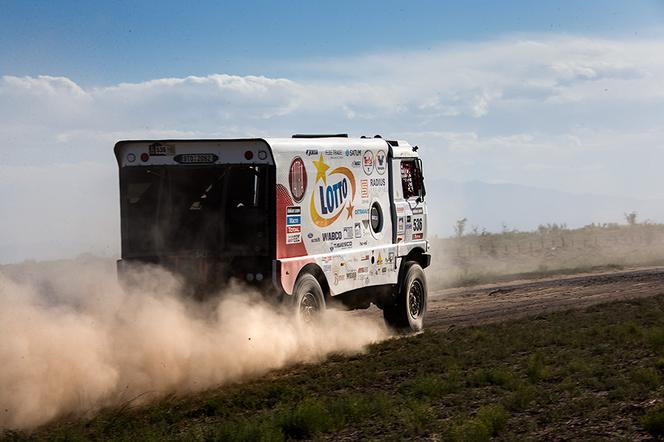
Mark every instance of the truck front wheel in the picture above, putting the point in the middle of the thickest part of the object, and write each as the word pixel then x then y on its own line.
pixel 409 308
pixel 307 299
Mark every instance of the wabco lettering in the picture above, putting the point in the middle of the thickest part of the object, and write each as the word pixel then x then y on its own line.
pixel 331 236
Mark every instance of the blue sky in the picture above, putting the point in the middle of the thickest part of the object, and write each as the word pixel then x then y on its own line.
pixel 99 43
pixel 564 95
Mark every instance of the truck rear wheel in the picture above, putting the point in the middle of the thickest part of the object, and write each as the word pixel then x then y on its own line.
pixel 407 313
pixel 308 300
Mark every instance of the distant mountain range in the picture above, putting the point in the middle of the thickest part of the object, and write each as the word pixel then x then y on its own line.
pixel 89 224
pixel 521 207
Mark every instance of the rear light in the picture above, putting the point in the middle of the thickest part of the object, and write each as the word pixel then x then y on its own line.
pixel 248 155
pixel 145 157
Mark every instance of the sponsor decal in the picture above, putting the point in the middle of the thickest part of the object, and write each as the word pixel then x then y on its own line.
pixel 381 163
pixel 351 275
pixel 377 182
pixel 311 152
pixel 160 150
pixel 365 258
pixel 399 238
pixel 418 236
pixel 418 211
pixel 334 153
pixel 358 230
pixel 390 257
pixel 361 212
pixel 297 179
pixel 400 225
pixel 293 225
pixel 417 224
pixel 196 158
pixel 409 226
pixel 331 236
pixel 310 235
pixel 400 210
pixel 363 243
pixel 356 163
pixel 364 189
pixel 348 233
pixel 316 239
pixel 353 152
pixel 294 229
pixel 326 259
pixel 379 261
pixel 363 270
pixel 333 195
pixel 408 218
pixel 368 162
pixel 293 238
pixel 343 245
pixel 327 268
pixel 338 278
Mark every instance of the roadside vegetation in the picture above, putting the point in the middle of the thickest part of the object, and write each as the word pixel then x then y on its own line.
pixel 475 256
pixel 592 374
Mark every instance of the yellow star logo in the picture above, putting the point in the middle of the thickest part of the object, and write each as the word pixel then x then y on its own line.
pixel 321 169
pixel 350 210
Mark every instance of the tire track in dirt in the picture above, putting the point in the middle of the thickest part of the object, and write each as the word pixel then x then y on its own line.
pixel 497 302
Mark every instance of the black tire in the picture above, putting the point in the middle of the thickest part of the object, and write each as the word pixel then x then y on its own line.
pixel 409 309
pixel 307 301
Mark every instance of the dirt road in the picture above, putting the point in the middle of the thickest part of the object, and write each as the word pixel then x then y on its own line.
pixel 497 302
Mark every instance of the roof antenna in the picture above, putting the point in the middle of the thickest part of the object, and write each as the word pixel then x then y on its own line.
pixel 415 148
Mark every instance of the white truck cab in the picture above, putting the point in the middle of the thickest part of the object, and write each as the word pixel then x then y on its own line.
pixel 315 219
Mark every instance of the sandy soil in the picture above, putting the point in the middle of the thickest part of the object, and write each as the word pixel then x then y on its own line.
pixel 497 302
pixel 487 303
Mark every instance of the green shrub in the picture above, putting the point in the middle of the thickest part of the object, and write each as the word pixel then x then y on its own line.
pixel 537 370
pixel 489 421
pixel 429 386
pixel 653 421
pixel 659 364
pixel 522 396
pixel 310 417
pixel 648 377
pixel 494 376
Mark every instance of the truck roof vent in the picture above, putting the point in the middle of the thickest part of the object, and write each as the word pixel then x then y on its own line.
pixel 393 143
pixel 320 136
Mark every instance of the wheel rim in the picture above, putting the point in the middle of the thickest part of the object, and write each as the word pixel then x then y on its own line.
pixel 416 299
pixel 309 307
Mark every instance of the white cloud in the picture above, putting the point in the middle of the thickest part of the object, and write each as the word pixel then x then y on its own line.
pixel 566 112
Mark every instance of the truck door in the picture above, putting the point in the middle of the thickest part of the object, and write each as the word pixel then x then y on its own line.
pixel 410 217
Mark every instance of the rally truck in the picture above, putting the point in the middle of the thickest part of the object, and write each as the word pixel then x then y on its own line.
pixel 314 220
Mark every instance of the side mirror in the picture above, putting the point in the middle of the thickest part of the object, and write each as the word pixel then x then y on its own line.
pixel 420 179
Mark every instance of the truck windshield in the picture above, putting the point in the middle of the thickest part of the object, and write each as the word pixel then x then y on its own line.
pixel 194 211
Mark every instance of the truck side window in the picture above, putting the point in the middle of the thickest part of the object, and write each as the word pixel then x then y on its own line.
pixel 411 179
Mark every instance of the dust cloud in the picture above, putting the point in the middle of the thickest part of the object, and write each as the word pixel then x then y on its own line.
pixel 72 341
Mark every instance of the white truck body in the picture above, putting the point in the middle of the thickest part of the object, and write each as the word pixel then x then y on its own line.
pixel 319 211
